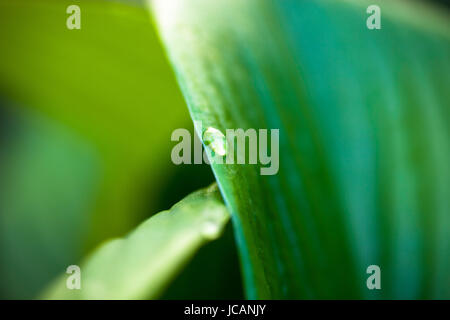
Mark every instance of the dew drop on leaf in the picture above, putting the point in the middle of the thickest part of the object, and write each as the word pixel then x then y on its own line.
pixel 210 230
pixel 215 139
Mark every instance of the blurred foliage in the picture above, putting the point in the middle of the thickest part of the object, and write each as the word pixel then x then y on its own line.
pixel 108 81
pixel 212 274
pixel 48 183
pixel 364 125
pixel 94 109
pixel 140 265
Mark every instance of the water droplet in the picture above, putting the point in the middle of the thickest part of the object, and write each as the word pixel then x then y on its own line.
pixel 216 140
pixel 210 230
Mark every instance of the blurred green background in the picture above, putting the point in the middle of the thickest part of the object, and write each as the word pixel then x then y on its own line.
pixel 85 123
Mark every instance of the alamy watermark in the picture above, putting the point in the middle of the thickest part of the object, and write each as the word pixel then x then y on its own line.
pixel 74 280
pixel 236 146
pixel 374 20
pixel 74 20
pixel 374 280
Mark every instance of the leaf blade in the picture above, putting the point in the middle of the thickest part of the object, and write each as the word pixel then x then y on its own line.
pixel 140 265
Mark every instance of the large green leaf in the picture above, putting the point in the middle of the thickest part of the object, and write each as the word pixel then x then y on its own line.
pixel 364 123
pixel 140 265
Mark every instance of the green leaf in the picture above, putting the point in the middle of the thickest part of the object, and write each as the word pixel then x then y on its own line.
pixel 364 121
pixel 140 265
